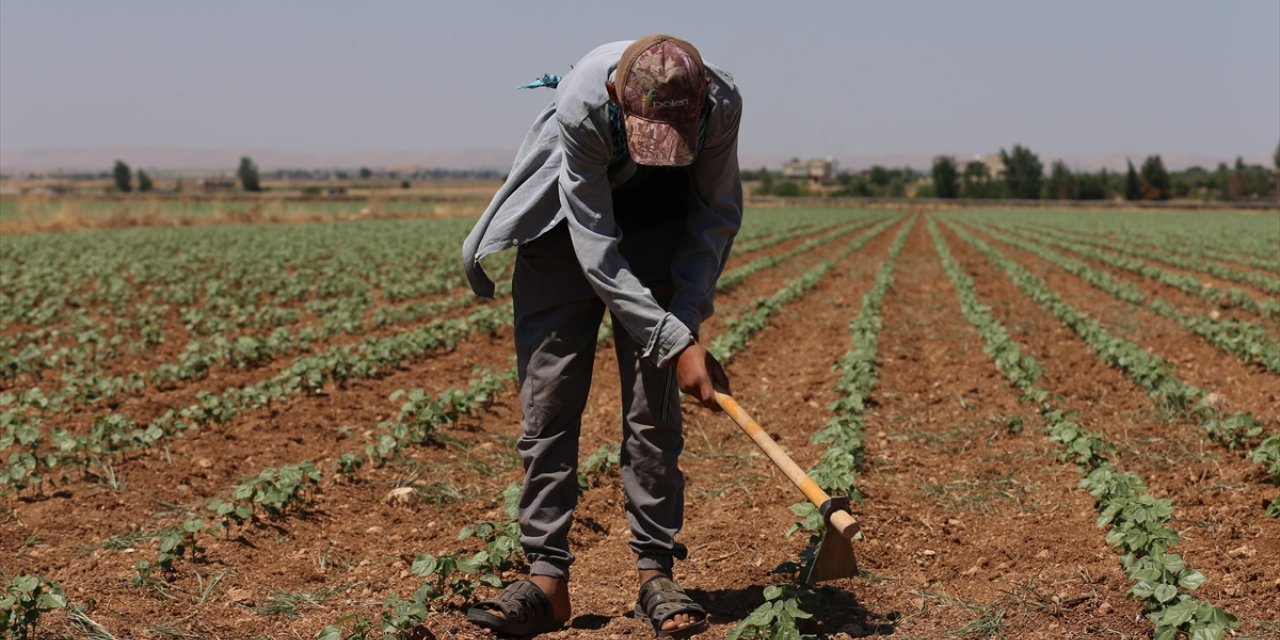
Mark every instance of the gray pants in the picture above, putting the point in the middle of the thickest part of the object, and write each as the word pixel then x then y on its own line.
pixel 557 316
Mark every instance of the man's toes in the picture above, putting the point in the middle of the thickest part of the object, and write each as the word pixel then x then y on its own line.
pixel 678 621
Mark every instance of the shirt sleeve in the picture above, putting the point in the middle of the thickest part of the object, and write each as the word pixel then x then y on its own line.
pixel 712 224
pixel 587 199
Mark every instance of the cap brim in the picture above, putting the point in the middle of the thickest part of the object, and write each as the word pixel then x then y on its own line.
pixel 661 144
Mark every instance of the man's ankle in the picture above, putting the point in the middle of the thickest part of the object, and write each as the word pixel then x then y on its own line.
pixel 557 591
pixel 549 583
pixel 649 574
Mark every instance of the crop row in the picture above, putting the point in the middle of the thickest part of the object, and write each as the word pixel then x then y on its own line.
pixel 759 243
pixel 1235 430
pixel 1226 298
pixel 277 493
pixel 844 432
pixel 273 493
pixel 43 277
pixel 1137 520
pixel 731 278
pixel 84 382
pixel 1240 238
pixel 246 352
pixel 41 454
pixel 101 304
pixel 1246 340
pixel 341 316
pixel 1188 283
pixel 251 267
pixel 839 465
pixel 223 341
pixel 1260 281
pixel 95 299
pixel 739 330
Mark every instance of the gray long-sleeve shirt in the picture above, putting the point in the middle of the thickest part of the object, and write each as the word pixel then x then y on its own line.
pixel 563 171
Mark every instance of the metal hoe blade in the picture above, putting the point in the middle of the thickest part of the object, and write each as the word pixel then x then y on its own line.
pixel 833 561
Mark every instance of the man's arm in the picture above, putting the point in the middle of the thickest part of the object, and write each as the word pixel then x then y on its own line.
pixel 712 224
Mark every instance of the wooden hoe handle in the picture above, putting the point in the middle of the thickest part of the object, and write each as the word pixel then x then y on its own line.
pixel 842 521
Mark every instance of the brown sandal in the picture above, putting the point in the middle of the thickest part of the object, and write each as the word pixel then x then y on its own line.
pixel 526 611
pixel 660 599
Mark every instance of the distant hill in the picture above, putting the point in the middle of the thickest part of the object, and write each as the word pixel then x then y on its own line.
pixel 193 159
pixel 187 159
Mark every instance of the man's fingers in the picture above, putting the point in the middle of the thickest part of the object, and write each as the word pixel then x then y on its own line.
pixel 699 375
pixel 705 391
pixel 708 396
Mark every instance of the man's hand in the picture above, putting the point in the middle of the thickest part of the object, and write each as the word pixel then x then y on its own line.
pixel 700 376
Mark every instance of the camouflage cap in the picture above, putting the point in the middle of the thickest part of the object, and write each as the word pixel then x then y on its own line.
pixel 662 85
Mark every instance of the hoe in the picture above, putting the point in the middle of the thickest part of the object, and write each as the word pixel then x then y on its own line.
pixel 834 558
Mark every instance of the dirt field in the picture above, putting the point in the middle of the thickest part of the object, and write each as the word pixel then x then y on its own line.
pixel 973 525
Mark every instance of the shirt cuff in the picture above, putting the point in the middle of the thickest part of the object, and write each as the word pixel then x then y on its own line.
pixel 668 340
pixel 690 318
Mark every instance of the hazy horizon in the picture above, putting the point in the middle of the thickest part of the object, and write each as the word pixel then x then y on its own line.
pixel 1087 79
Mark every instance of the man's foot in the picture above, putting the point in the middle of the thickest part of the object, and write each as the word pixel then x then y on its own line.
pixel 525 607
pixel 660 596
pixel 557 591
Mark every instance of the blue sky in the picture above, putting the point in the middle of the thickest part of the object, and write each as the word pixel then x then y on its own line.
pixel 838 78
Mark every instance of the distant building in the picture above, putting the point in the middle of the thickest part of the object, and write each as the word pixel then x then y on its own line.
pixel 815 171
pixel 995 165
pixel 215 185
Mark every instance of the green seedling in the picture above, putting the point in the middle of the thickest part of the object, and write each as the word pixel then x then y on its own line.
pixel 361 627
pixel 778 618
pixel 347 465
pixel 26 598
pixel 597 465
pixel 277 490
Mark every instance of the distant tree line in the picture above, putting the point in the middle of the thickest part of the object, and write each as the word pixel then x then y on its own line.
pixel 1024 176
pixel 367 173
pixel 122 176
pixel 877 182
pixel 250 177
